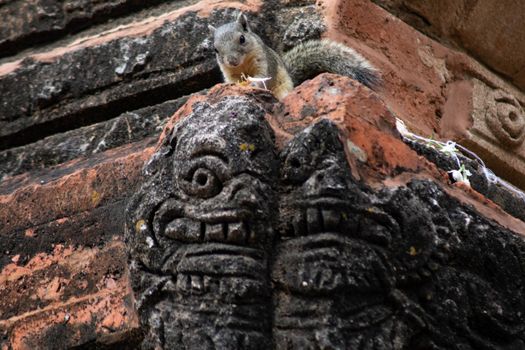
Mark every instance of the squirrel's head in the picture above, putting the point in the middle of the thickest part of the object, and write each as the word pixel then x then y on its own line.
pixel 233 41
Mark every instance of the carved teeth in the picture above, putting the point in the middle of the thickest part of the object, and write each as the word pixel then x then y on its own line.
pixel 183 282
pixel 317 220
pixel 215 232
pixel 197 283
pixel 236 233
pixel 331 219
pixel 184 229
pixel 314 220
pixel 192 231
pixel 207 282
pixel 192 283
pixel 299 225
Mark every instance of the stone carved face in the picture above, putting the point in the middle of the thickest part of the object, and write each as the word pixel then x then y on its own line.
pixel 347 267
pixel 332 270
pixel 221 172
pixel 318 222
pixel 208 224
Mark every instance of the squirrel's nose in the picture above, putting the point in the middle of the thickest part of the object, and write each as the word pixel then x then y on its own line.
pixel 232 61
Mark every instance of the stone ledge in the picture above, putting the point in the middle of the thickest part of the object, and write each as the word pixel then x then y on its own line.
pixel 384 158
pixel 87 229
pixel 78 323
pixel 86 141
pixel 349 222
pixel 72 188
pixel 48 281
pixel 44 21
pixel 425 82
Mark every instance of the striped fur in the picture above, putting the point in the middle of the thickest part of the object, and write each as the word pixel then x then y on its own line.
pixel 311 58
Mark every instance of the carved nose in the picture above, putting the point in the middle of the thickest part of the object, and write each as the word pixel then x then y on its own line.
pixel 324 183
pixel 243 194
pixel 245 197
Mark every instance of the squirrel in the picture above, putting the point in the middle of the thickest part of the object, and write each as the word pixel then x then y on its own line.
pixel 242 55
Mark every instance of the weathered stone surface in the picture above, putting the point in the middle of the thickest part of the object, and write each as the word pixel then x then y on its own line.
pixel 95 82
pixel 490 30
pixel 327 278
pixel 378 269
pixel 491 122
pixel 371 137
pixel 77 271
pixel 356 261
pixel 199 231
pixel 86 229
pixel 88 322
pixel 81 96
pixel 100 77
pixel 425 83
pixel 63 264
pixel 26 23
pixel 369 126
pixel 126 128
pixel 70 190
pixel 375 150
pixel 70 296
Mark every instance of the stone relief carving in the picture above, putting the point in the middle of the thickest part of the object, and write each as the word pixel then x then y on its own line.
pixel 333 268
pixel 199 232
pixel 233 246
pixel 506 118
pixel 497 132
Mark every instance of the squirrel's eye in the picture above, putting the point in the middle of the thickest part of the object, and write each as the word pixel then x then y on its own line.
pixel 215 49
pixel 242 39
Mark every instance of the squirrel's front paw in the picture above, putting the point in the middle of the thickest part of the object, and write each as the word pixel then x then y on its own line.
pixel 258 82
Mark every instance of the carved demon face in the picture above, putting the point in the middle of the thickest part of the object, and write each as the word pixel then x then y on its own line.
pixel 329 278
pixel 319 201
pixel 208 218
pixel 222 170
pixel 235 247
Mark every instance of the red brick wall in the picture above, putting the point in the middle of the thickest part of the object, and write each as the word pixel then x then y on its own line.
pixel 87 87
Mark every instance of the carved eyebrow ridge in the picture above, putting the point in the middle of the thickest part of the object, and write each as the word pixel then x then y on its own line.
pixel 208 152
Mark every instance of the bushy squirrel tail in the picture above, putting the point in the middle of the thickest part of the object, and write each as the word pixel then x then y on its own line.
pixel 314 57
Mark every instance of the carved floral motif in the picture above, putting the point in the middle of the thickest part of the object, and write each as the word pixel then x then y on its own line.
pixel 506 118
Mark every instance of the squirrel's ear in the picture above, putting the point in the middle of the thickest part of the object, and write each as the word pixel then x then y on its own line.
pixel 212 28
pixel 243 22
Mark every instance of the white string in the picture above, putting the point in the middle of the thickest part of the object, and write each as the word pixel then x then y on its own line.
pixel 449 147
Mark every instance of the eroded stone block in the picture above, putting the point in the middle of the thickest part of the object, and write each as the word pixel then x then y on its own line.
pixel 490 30
pixel 200 228
pixel 497 133
pixel 333 264
pixel 235 246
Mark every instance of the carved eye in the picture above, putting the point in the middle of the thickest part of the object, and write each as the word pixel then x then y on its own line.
pixel 297 167
pixel 294 162
pixel 203 183
pixel 242 39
